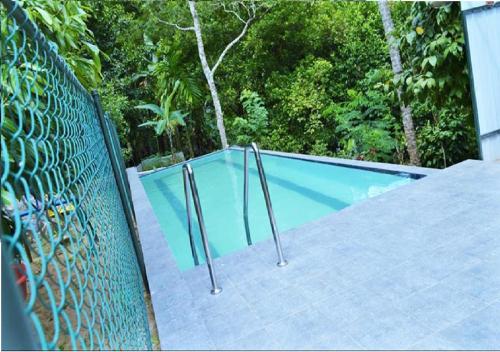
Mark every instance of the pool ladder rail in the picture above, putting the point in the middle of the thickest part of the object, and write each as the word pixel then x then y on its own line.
pixel 263 182
pixel 190 184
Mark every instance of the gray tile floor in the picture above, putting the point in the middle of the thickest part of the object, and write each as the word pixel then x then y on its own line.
pixel 414 268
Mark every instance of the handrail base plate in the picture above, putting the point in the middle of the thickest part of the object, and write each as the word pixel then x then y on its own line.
pixel 216 291
pixel 282 264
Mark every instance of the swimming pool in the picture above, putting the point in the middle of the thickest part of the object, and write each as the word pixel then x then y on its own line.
pixel 301 191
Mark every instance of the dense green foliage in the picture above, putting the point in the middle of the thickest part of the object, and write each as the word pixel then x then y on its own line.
pixel 254 124
pixel 65 26
pixel 167 119
pixel 436 83
pixel 309 77
pixel 64 23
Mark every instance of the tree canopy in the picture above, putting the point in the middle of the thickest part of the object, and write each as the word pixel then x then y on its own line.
pixel 308 77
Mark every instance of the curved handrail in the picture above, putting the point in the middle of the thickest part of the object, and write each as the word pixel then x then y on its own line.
pixel 188 213
pixel 188 177
pixel 269 206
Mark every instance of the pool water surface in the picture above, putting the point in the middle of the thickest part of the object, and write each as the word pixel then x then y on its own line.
pixel 301 191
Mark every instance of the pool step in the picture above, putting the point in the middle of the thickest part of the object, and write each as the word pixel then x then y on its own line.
pixel 191 188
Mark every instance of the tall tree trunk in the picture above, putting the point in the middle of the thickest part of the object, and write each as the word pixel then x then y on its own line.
pixel 411 141
pixel 171 142
pixel 208 75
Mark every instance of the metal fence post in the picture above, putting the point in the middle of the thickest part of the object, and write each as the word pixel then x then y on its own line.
pixel 119 157
pixel 17 332
pixel 121 187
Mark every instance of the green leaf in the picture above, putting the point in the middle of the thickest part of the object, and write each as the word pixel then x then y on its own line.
pixel 95 55
pixel 148 123
pixel 136 76
pixel 433 61
pixel 93 48
pixel 5 197
pixel 178 116
pixel 152 107
pixel 47 17
pixel 160 127
pixel 147 40
pixel 424 62
pixel 410 37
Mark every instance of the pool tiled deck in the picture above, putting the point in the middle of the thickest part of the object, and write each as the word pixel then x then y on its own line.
pixel 414 268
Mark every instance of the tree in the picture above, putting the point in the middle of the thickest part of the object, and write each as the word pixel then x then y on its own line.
pixel 253 126
pixel 64 23
pixel 168 120
pixel 321 68
pixel 235 8
pixel 411 140
pixel 436 81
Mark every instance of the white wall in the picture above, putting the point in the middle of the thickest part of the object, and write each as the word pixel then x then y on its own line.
pixel 466 5
pixel 483 34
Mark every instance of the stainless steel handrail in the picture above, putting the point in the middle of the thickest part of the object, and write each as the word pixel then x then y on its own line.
pixel 188 175
pixel 188 213
pixel 245 196
pixel 269 206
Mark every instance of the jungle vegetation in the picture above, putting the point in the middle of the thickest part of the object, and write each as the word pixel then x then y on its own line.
pixel 309 77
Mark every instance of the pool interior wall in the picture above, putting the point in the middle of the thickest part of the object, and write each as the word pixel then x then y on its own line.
pixel 301 191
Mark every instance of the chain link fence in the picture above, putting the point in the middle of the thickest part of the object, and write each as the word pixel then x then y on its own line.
pixel 70 252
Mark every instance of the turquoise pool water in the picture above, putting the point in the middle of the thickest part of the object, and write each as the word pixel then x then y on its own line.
pixel 301 191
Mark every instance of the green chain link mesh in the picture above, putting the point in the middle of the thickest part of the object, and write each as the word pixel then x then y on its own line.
pixel 62 218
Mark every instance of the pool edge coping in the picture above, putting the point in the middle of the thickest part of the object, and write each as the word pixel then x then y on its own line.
pixel 150 172
pixel 164 284
pixel 415 172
